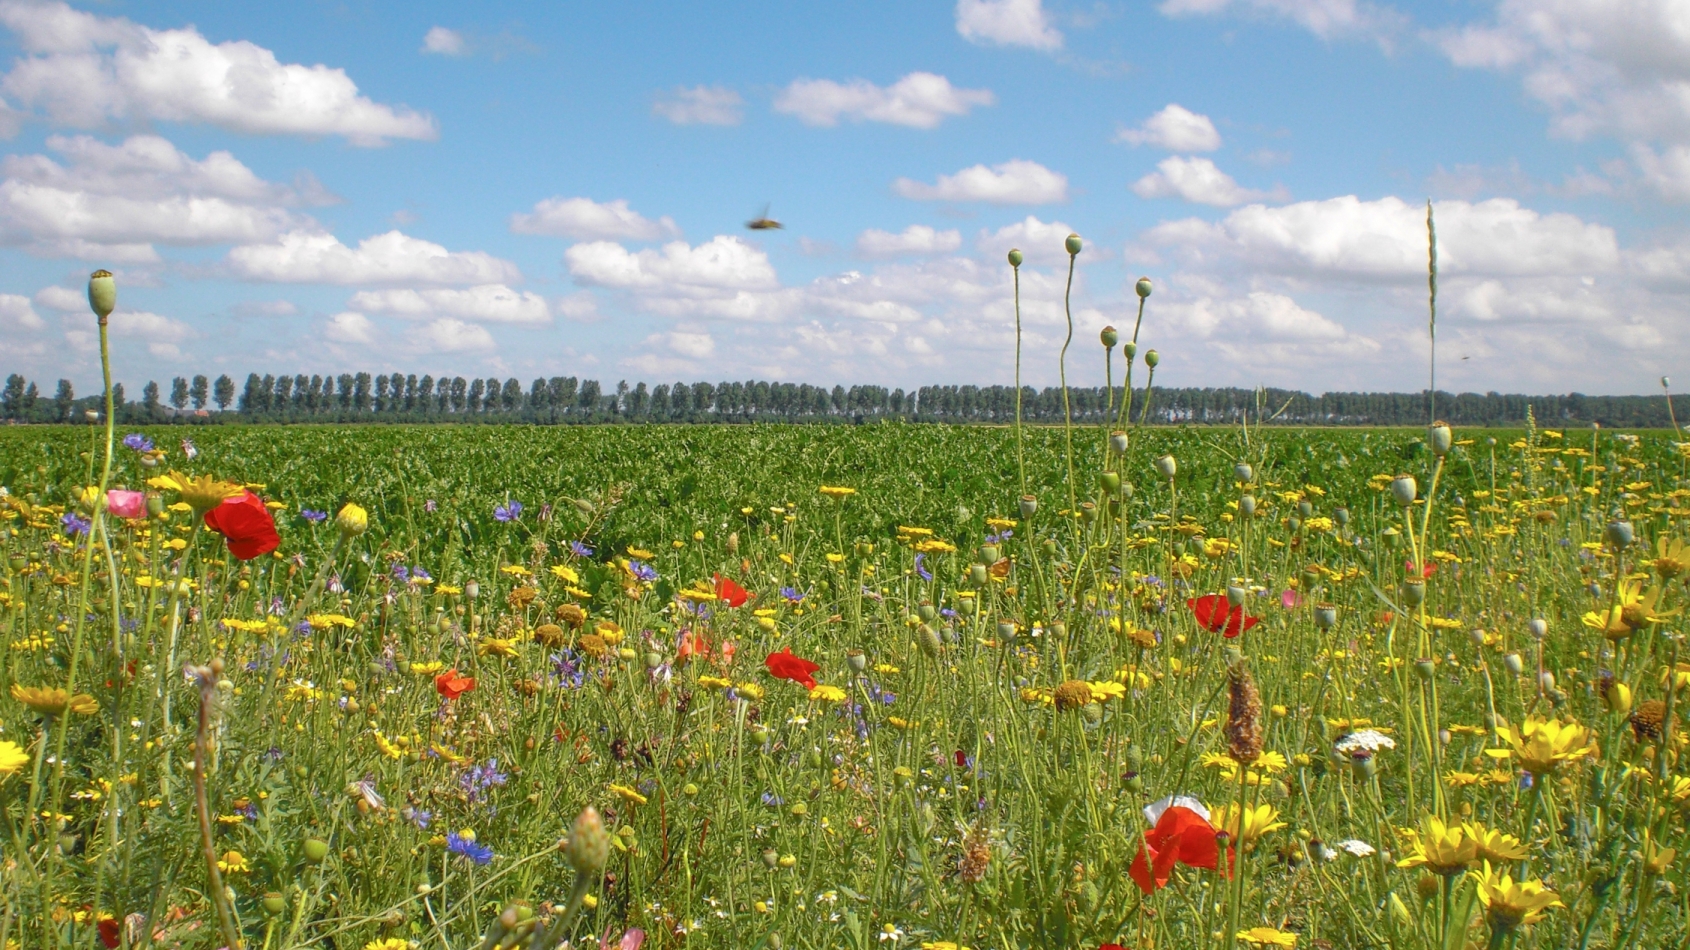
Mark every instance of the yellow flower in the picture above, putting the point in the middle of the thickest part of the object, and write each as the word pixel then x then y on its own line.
pixel 837 492
pixel 53 701
pixel 640 553
pixel 1510 903
pixel 233 863
pixel 827 694
pixel 934 546
pixel 1492 845
pixel 1441 849
pixel 494 646
pixel 1105 691
pixel 12 758
pixel 750 691
pixel 516 570
pixel 1267 937
pixel 387 748
pixel 1257 821
pixel 565 573
pixel 715 682
pixel 1217 547
pixel 426 669
pixel 628 794
pixel 328 621
pixel 1542 745
pixel 390 943
pixel 906 532
pixel 609 631
pixel 352 521
pixel 201 494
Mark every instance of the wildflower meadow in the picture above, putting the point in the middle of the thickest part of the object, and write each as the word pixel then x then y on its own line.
pixel 882 686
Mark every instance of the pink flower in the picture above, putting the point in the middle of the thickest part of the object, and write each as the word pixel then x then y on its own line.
pixel 1290 600
pixel 126 504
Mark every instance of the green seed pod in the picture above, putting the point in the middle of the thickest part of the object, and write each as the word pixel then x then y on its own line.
pixel 1390 536
pixel 990 553
pixel 1413 593
pixel 856 660
pixel 1118 439
pixel 1109 338
pixel 1247 506
pixel 274 903
pixel 977 574
pixel 1142 287
pixel 1235 595
pixel 1514 664
pixel 689 790
pixel 1620 534
pixel 1015 257
pixel 1006 630
pixel 1088 512
pixel 1072 244
pixel 1439 438
pixel 926 611
pixel 1110 482
pixel 1166 466
pixel 1342 516
pixel 1404 490
pixel 102 294
pixel 1151 358
pixel 1244 473
pixel 1130 350
pixel 1029 506
pixel 1425 667
pixel 315 850
pixel 1325 616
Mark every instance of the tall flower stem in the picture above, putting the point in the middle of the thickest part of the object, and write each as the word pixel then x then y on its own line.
pixel 207 677
pixel 1020 450
pixel 1062 373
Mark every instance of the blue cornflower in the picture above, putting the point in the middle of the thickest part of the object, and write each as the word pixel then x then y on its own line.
pixel 479 853
pixel 579 549
pixel 478 778
pixel 792 594
pixel 642 571
pixel 921 570
pixel 75 523
pixel 566 665
pixel 400 572
pixel 772 800
pixel 138 442
pixel 418 574
pixel 417 816
pixel 508 512
pixel 313 516
pixel 1000 537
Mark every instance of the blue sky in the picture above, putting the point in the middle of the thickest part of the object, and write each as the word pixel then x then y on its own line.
pixel 541 189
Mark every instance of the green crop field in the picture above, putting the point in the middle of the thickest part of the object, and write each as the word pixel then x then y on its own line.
pixel 870 686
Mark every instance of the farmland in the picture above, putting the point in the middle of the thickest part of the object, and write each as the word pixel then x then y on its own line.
pixel 886 686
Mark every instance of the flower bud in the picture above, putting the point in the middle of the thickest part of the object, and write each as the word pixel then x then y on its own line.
pixel 1439 438
pixel 1029 505
pixel 1620 534
pixel 733 542
pixel 1072 244
pixel 1109 338
pixel 1244 473
pixel 927 639
pixel 352 521
pixel 1618 698
pixel 102 294
pixel 1143 287
pixel 588 847
pixel 1015 257
pixel 1404 490
pixel 1166 466
pixel 1151 358
pixel 1118 440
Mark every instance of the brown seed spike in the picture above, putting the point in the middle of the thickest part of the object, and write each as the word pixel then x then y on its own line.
pixel 1243 716
pixel 1646 721
pixel 1072 695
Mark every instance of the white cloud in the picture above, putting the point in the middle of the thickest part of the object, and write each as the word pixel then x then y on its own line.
pixel 721 264
pixel 444 42
pixel 1007 23
pixel 111 202
pixel 489 303
pixel 1666 172
pixel 915 239
pixel 919 100
pixel 316 257
pixel 350 327
pixel 62 299
pixel 161 335
pixel 701 105
pixel 1176 129
pixel 1039 242
pixel 586 220
pixel 580 307
pixel 690 342
pixel 17 314
pixel 84 71
pixel 1386 239
pixel 452 336
pixel 1013 182
pixel 1196 180
pixel 1327 19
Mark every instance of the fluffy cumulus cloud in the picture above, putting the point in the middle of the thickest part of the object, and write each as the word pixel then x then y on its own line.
pixel 585 220
pixel 919 100
pixel 1196 180
pixel 162 336
pixel 17 313
pixel 447 335
pixel 443 42
pixel 1040 242
pixel 350 327
pixel 317 257
pixel 84 71
pixel 721 264
pixel 701 105
pixel 915 239
pixel 1013 182
pixel 1007 23
pixel 1176 129
pixel 489 303
pixel 113 202
pixel 1327 19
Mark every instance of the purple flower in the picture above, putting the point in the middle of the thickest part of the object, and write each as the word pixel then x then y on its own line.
pixel 479 853
pixel 579 549
pixel 417 816
pixel 792 594
pixel 313 516
pixel 566 665
pixel 74 523
pixel 479 778
pixel 508 512
pixel 1000 537
pixel 921 570
pixel 400 573
pixel 772 800
pixel 418 574
pixel 138 442
pixel 642 571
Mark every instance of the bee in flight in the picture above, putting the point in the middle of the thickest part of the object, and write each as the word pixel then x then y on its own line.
pixel 764 223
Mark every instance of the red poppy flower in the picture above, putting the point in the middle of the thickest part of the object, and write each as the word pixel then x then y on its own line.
pixel 1215 615
pixel 246 524
pixel 111 931
pixel 450 685
pixel 784 665
pixel 1422 573
pixel 692 644
pixel 1180 833
pixel 727 590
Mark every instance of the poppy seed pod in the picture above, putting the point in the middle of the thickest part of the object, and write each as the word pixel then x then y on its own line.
pixel 1425 666
pixel 1391 536
pixel 1029 505
pixel 1413 593
pixel 856 660
pixel 1620 534
pixel 1439 438
pixel 1006 630
pixel 315 850
pixel 102 294
pixel 1131 350
pixel 1109 337
pixel 1110 481
pixel 1538 627
pixel 1143 287
pixel 1514 664
pixel 1118 440
pixel 977 575
pixel 1304 508
pixel 1404 490
pixel 1166 466
pixel 1072 243
pixel 1342 516
pixel 1015 257
pixel 990 553
pixel 1244 473
pixel 1151 358
pixel 1247 506
pixel 1325 616
pixel 1126 491
pixel 1235 595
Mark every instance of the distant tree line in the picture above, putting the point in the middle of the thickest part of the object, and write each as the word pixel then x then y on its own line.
pixel 402 397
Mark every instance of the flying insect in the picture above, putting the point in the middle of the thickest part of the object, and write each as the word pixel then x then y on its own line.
pixel 764 223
